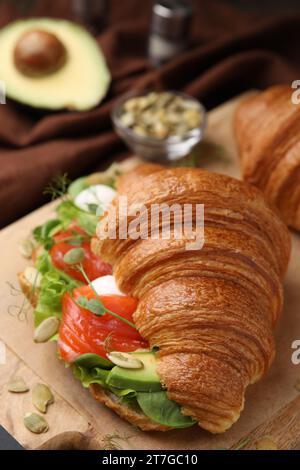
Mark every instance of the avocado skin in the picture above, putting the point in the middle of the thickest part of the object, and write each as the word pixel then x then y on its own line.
pixel 141 380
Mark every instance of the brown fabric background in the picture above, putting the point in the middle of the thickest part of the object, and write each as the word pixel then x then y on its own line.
pixel 230 52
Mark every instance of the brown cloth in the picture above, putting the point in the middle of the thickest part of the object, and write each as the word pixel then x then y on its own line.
pixel 230 52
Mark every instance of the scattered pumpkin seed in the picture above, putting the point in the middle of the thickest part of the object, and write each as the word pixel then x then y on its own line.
pixel 35 423
pixel 33 276
pixel 46 330
pixel 17 385
pixel 74 256
pixel 161 115
pixel 42 397
pixel 26 248
pixel 266 443
pixel 125 360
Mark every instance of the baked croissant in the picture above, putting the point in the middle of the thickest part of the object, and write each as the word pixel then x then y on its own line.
pixel 267 129
pixel 210 312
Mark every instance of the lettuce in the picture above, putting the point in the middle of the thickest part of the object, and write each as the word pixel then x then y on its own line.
pixel 158 407
pixel 96 375
pixel 54 285
pixel 68 212
pixel 44 233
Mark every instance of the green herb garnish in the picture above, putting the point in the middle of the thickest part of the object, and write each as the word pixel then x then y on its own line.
pixel 75 257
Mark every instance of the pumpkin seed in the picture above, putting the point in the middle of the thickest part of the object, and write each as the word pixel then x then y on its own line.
pixel 17 385
pixel 266 443
pixel 74 256
pixel 42 397
pixel 33 276
pixel 46 330
pixel 35 423
pixel 125 360
pixel 26 248
pixel 161 115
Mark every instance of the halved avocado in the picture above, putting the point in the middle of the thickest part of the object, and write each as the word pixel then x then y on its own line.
pixel 141 380
pixel 80 80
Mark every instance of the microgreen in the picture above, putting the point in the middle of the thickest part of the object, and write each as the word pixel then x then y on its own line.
pixel 58 187
pixel 75 257
pixel 114 441
pixel 44 233
pixel 93 305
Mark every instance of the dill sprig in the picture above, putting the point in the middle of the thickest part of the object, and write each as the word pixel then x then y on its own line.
pixel 115 442
pixel 58 187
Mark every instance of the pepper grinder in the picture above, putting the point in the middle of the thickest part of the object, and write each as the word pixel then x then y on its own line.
pixel 93 13
pixel 169 32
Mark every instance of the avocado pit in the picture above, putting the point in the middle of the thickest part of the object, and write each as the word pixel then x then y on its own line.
pixel 39 53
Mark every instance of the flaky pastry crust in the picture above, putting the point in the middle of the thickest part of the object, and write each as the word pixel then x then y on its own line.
pixel 210 311
pixel 267 129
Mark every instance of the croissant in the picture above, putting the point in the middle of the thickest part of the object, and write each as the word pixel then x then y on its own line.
pixel 211 311
pixel 267 129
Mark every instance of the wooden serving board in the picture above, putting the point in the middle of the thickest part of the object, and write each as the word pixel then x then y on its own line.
pixel 76 420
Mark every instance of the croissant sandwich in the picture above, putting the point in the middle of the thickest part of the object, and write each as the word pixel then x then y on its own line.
pixel 267 129
pixel 166 336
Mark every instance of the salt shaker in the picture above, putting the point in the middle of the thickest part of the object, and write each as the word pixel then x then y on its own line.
pixel 93 13
pixel 170 26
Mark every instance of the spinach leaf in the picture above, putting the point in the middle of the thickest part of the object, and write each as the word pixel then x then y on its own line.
pixel 90 360
pixel 158 407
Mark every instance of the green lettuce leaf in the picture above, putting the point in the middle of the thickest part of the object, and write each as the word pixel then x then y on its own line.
pixel 54 285
pixel 77 186
pixel 43 234
pixel 90 360
pixel 159 408
pixel 67 212
pixel 96 375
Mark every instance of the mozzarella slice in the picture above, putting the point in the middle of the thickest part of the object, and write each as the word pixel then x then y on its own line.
pixel 98 194
pixel 106 285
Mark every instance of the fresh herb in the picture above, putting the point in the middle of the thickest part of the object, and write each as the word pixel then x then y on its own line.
pixel 44 233
pixel 108 342
pixel 90 360
pixel 20 311
pixel 58 187
pixel 241 444
pixel 93 305
pixel 74 256
pixel 105 310
pixel 114 441
pixel 54 285
pixel 68 213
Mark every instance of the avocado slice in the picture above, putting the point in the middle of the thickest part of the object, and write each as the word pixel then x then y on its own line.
pixel 141 380
pixel 79 83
